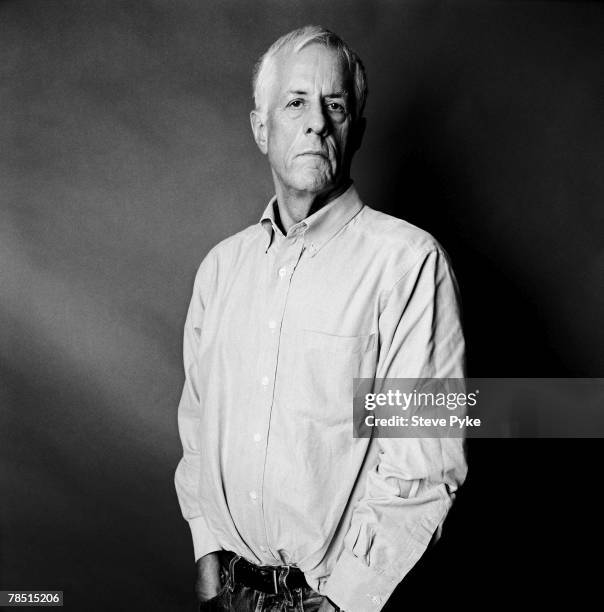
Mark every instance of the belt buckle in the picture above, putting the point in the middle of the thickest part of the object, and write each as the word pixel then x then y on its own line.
pixel 275 584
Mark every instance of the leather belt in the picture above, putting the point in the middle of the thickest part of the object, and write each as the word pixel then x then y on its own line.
pixel 266 578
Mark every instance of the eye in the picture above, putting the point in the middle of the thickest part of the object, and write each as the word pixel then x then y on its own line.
pixel 335 107
pixel 295 104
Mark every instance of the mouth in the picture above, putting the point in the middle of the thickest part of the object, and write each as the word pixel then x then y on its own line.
pixel 314 154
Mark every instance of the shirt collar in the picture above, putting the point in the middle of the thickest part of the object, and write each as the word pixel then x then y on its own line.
pixel 320 227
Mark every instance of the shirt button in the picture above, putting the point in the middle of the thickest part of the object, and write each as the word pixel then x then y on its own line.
pixel 376 600
pixel 272 324
pixel 257 437
pixel 253 495
pixel 282 272
pixel 263 548
pixel 264 381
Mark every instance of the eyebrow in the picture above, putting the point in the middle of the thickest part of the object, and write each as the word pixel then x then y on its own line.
pixel 335 94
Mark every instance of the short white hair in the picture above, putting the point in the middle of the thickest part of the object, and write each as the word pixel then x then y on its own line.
pixel 295 41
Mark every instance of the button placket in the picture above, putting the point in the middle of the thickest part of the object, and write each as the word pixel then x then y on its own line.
pixel 282 264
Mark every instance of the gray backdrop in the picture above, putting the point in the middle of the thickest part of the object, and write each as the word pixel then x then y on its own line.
pixel 127 154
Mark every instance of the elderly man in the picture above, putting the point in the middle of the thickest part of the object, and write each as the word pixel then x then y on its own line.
pixel 289 511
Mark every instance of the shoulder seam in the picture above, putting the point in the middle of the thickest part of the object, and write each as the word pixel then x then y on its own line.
pixel 422 256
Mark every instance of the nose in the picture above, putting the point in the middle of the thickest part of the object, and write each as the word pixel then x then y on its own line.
pixel 316 120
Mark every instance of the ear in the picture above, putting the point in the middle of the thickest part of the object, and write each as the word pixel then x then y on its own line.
pixel 258 122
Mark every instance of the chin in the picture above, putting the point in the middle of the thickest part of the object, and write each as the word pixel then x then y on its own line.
pixel 313 182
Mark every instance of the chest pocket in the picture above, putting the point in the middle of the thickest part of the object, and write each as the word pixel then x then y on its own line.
pixel 330 343
pixel 324 368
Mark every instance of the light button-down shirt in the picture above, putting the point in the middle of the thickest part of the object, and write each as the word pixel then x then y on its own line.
pixel 278 326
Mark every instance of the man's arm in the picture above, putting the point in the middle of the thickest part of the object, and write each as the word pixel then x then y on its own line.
pixel 189 418
pixel 208 581
pixel 410 489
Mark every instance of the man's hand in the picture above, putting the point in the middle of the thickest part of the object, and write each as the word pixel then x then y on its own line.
pixel 208 581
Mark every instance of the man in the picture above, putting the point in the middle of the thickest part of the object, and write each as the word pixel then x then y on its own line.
pixel 287 509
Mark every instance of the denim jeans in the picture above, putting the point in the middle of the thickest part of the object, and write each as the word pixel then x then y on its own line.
pixel 235 597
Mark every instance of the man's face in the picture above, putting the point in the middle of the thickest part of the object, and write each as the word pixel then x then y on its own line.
pixel 307 128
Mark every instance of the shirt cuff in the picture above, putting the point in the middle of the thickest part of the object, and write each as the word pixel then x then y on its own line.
pixel 204 541
pixel 355 587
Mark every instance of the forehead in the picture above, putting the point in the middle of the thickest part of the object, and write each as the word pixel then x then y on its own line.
pixel 314 69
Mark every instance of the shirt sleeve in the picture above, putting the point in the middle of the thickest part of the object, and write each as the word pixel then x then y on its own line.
pixel 411 488
pixel 187 473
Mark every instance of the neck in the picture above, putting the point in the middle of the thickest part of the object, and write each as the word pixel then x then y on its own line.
pixel 294 206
